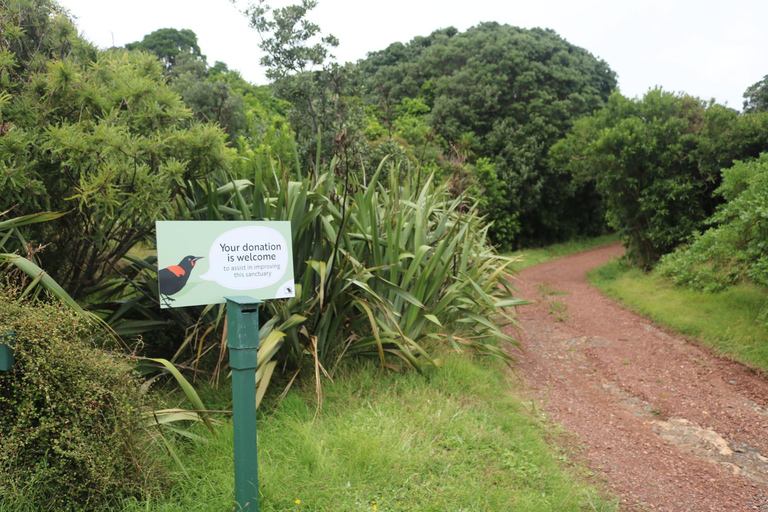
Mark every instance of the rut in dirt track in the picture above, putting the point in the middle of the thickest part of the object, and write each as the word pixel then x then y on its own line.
pixel 669 425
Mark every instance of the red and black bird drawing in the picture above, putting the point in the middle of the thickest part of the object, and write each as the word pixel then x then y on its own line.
pixel 172 279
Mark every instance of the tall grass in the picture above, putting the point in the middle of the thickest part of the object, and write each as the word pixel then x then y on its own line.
pixel 456 440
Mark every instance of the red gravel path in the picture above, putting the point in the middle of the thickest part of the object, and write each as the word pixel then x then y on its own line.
pixel 669 425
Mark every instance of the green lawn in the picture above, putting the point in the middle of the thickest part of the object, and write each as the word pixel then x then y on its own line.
pixel 732 322
pixel 456 439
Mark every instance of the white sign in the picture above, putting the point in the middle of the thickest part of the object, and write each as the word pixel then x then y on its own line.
pixel 201 262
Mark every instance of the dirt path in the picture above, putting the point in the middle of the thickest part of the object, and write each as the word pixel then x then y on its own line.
pixel 669 425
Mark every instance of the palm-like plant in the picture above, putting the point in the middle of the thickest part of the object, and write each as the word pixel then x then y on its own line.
pixel 395 271
pixel 12 237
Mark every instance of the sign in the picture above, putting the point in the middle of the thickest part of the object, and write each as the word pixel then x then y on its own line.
pixel 201 262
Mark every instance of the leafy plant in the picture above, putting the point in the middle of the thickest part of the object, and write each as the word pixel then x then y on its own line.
pixel 656 161
pixel 69 415
pixel 559 309
pixel 105 138
pixel 9 229
pixel 502 93
pixel 736 247
pixel 756 96
pixel 389 272
pixel 386 268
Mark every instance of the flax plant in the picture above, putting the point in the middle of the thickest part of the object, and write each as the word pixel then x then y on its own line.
pixel 394 271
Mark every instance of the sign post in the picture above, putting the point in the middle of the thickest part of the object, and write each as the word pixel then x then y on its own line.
pixel 6 351
pixel 243 342
pixel 204 262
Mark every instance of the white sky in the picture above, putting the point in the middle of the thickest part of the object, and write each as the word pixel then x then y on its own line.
pixel 707 48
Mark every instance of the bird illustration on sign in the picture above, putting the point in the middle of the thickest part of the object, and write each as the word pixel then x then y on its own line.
pixel 172 279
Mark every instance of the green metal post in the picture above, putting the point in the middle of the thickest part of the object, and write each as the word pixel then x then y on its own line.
pixel 243 342
pixel 6 351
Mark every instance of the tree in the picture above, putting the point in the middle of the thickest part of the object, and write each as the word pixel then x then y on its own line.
pixel 171 46
pixel 104 138
pixel 656 162
pixel 287 38
pixel 518 91
pixel 187 71
pixel 756 96
pixel 735 247
pixel 211 100
pixel 33 32
pixel 323 97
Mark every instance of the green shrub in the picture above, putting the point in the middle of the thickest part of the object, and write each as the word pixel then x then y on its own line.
pixel 69 424
pixel 736 249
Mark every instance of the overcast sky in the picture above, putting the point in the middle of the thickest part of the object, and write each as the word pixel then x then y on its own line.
pixel 707 48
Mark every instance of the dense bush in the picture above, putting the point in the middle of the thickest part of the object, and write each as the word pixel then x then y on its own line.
pixel 69 425
pixel 656 162
pixel 736 248
pixel 502 93
pixel 99 134
pixel 393 269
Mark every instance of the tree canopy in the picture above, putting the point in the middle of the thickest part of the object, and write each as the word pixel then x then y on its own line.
pixel 291 42
pixel 656 162
pixel 510 93
pixel 170 45
pixel 756 96
pixel 98 134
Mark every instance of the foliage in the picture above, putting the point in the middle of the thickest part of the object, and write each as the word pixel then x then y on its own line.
pixel 323 109
pixel 33 33
pixel 287 38
pixel 382 271
pixel 756 96
pixel 266 129
pixel 170 45
pixel 27 273
pixel 635 150
pixel 404 131
pixel 325 114
pixel 212 100
pixel 459 439
pixel 109 140
pixel 656 161
pixel 69 415
pixel 511 93
pixel 736 247
pixel 215 94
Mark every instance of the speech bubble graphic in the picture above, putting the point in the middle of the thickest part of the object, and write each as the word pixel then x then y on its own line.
pixel 247 258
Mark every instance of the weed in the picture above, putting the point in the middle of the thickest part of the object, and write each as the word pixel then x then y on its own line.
pixel 559 309
pixel 545 289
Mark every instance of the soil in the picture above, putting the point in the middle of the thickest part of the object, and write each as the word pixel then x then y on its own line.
pixel 668 424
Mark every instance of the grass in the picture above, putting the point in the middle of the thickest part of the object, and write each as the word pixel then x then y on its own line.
pixel 731 322
pixel 455 440
pixel 531 257
pixel 557 307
